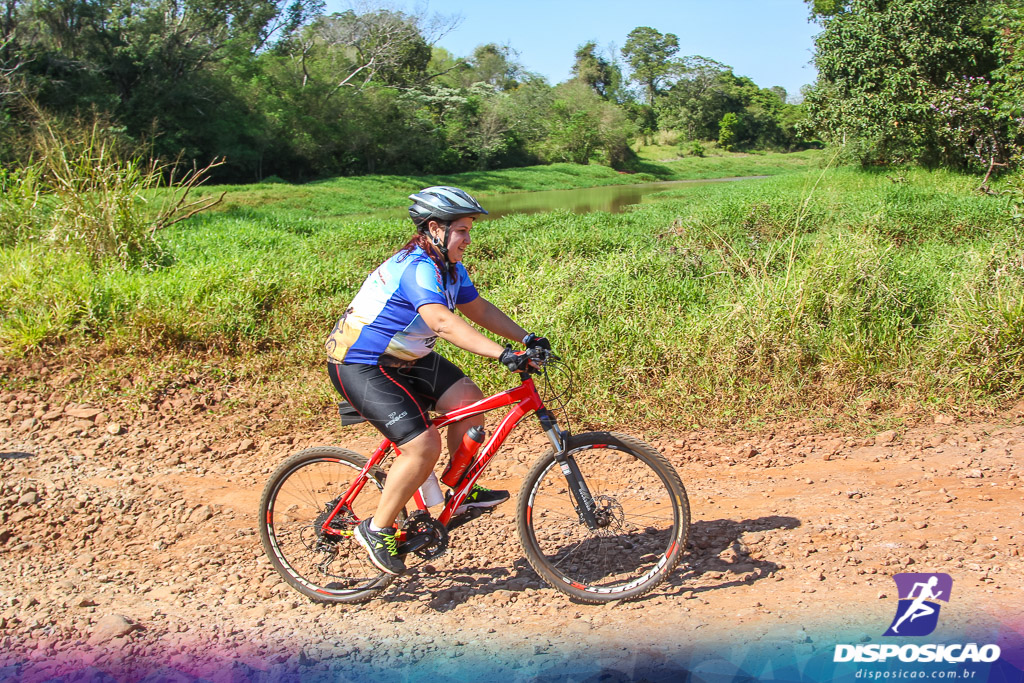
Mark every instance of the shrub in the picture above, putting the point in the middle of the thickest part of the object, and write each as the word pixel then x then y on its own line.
pixel 666 138
pixel 728 131
pixel 86 192
pixel 20 201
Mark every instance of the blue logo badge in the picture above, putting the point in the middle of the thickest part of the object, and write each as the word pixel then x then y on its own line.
pixel 918 612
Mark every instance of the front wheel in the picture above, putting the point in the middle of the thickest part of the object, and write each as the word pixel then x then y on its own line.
pixel 642 513
pixel 296 502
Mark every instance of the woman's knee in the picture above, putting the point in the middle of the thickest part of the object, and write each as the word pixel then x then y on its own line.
pixel 425 446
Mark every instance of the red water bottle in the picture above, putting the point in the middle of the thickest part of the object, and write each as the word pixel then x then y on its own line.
pixel 463 456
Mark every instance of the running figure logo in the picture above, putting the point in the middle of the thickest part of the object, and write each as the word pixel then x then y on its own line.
pixel 918 611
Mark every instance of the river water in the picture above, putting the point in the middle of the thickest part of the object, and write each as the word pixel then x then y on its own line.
pixel 611 198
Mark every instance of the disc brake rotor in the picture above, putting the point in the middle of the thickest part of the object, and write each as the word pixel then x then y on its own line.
pixel 609 512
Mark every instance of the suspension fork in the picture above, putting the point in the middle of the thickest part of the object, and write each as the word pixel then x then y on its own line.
pixel 582 500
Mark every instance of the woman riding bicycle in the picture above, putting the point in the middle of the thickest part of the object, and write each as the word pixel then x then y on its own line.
pixel 381 357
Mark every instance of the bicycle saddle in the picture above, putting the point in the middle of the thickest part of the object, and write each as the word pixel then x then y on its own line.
pixel 349 415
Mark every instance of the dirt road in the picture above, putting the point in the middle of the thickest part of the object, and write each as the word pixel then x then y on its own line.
pixel 128 544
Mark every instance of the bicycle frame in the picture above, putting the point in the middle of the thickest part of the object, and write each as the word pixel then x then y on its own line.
pixel 525 400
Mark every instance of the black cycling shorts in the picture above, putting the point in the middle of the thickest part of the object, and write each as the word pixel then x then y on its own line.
pixel 396 400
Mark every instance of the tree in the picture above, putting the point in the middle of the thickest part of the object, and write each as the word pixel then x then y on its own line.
pixel 706 91
pixel 601 75
pixel 7 26
pixel 698 99
pixel 582 126
pixel 469 124
pixel 445 68
pixel 280 89
pixel 154 67
pixel 495 65
pixel 649 53
pixel 729 130
pixel 8 68
pixel 1007 82
pixel 381 45
pixel 527 112
pixel 893 78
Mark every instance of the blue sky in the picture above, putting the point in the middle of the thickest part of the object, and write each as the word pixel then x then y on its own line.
pixel 769 41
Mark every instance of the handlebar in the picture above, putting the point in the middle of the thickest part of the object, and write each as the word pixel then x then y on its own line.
pixel 539 359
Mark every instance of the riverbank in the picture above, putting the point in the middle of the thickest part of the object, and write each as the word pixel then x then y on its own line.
pixel 362 194
pixel 842 294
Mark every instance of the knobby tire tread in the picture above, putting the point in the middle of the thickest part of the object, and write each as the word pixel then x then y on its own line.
pixel 288 469
pixel 642 452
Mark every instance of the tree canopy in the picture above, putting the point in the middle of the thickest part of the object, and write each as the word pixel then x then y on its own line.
pixel 601 75
pixel 932 81
pixel 279 88
pixel 649 54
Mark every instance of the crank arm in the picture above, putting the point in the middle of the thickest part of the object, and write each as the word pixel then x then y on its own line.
pixel 414 543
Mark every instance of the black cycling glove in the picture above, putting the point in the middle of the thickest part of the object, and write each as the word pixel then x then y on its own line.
pixel 515 361
pixel 532 341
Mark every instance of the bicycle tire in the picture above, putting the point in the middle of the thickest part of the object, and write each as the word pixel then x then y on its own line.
pixel 646 510
pixel 294 504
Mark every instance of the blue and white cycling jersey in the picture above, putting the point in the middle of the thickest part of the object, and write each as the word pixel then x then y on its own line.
pixel 384 317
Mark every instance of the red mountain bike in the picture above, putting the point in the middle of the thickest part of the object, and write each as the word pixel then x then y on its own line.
pixel 601 516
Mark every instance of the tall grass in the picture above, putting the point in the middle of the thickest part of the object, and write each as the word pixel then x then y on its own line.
pixel 86 192
pixel 803 292
pixel 21 194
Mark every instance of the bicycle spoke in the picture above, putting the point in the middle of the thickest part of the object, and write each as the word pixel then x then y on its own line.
pixel 296 504
pixel 640 525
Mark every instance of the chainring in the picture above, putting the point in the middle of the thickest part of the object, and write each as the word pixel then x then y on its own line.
pixel 418 524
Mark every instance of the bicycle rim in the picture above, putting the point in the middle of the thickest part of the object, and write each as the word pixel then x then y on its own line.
pixel 644 512
pixel 296 502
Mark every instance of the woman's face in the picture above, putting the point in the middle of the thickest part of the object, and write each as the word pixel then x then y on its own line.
pixel 459 238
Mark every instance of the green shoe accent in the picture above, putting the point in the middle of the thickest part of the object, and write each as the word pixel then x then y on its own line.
pixel 481 497
pixel 382 546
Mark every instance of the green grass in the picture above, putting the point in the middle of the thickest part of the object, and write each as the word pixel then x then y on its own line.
pixel 809 292
pixel 364 194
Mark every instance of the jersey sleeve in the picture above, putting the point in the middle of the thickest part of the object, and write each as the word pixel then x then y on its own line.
pixel 467 290
pixel 420 285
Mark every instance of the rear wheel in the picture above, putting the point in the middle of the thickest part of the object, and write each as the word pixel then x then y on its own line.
pixel 641 508
pixel 301 494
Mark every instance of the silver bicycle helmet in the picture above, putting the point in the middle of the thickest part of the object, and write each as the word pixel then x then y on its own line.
pixel 443 204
